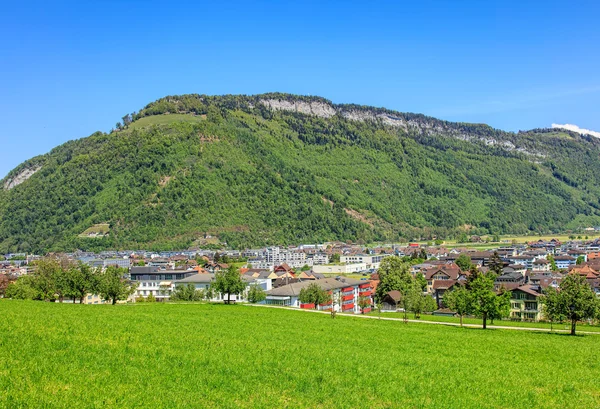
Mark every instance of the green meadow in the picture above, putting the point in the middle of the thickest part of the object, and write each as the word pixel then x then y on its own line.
pixel 218 356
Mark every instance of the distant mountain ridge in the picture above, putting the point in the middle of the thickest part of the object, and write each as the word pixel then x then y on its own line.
pixel 279 168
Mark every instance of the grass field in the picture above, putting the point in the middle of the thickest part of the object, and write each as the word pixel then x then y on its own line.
pixel 216 356
pixel 98 229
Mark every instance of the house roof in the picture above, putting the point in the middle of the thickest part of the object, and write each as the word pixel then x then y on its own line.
pixel 586 271
pixel 450 270
pixel 198 278
pixel 205 278
pixel 529 289
pixel 443 284
pixel 325 283
pixel 394 295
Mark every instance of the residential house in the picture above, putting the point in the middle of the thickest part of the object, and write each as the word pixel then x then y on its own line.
pixel 440 287
pixel 442 272
pixel 346 289
pixel 564 262
pixel 525 303
pixel 541 264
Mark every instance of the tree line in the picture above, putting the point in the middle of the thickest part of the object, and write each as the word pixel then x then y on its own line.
pixel 56 278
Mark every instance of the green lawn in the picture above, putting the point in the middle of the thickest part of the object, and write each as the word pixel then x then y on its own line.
pixel 503 323
pixel 217 356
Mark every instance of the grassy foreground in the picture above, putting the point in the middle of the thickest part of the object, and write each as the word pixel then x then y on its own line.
pixel 216 356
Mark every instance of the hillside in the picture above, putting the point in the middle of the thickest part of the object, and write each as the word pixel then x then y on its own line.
pixel 278 168
pixel 219 356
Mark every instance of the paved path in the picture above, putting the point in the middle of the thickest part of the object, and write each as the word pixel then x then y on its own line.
pixel 451 324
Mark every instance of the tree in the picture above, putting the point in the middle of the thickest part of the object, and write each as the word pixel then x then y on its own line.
pixel 336 299
pixel 187 292
pixel 216 257
pixel 334 258
pixel 578 301
pixel 485 303
pixel 502 308
pixel 229 282
pixel 150 298
pixel 364 302
pixel 421 281
pixel 394 274
pixel 418 301
pixel 463 261
pixel 554 310
pixel 580 260
pixel 459 301
pixel 256 294
pixel 126 120
pixel 379 306
pixel 496 265
pixel 313 294
pixel 81 281
pixel 4 283
pixel 23 289
pixel 553 266
pixel 46 278
pixel 113 286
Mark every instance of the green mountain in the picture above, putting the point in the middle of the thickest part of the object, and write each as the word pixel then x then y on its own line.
pixel 278 168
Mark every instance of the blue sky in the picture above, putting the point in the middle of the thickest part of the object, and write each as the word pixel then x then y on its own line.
pixel 69 69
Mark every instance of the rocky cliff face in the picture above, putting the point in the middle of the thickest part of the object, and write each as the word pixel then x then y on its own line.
pixel 20 177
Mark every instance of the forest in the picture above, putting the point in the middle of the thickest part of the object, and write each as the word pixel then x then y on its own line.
pixel 188 167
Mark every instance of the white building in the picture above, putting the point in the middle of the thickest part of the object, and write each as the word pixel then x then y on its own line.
pixel 372 261
pixel 156 282
pixel 203 281
pixel 340 268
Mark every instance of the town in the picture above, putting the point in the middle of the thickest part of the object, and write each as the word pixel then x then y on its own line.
pixel 348 273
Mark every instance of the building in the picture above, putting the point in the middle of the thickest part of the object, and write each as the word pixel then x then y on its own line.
pixel 541 264
pixel 340 268
pixel 203 281
pixel 525 303
pixel 372 261
pixel 156 282
pixel 564 262
pixel 346 289
pixel 107 262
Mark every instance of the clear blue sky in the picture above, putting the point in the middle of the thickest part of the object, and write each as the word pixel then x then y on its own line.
pixel 71 68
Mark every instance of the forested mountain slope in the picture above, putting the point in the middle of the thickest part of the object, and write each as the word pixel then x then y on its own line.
pixel 278 168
